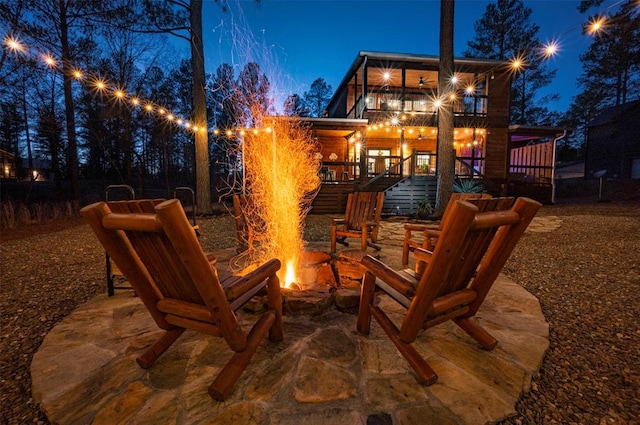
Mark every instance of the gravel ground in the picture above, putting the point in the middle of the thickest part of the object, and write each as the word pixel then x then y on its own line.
pixel 586 275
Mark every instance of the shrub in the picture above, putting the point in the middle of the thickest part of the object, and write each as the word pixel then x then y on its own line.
pixel 468 186
pixel 18 214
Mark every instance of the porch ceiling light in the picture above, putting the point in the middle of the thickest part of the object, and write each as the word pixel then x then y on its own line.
pixel 420 82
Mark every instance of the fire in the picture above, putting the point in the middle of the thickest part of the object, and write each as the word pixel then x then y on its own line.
pixel 281 177
pixel 290 273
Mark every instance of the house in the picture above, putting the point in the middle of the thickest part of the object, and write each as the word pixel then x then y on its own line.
pixel 613 142
pixel 8 161
pixel 381 125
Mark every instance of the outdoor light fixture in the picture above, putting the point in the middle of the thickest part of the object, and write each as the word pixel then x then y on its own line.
pixel 420 82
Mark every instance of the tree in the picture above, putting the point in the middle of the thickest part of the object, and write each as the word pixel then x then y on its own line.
pixel 505 33
pixel 65 28
pixel 318 97
pixel 295 106
pixel 223 95
pixel 203 183
pixel 184 19
pixel 610 67
pixel 446 154
pixel 253 95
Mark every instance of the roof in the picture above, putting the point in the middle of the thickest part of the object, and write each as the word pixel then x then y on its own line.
pixel 336 123
pixel 336 127
pixel 610 114
pixel 522 133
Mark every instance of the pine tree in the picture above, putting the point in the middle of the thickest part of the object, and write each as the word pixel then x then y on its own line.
pixel 505 32
pixel 610 67
pixel 294 105
pixel 318 97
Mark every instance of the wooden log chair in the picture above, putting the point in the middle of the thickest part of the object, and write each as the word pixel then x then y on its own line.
pixel 130 206
pixel 161 257
pixel 470 253
pixel 430 230
pixel 361 220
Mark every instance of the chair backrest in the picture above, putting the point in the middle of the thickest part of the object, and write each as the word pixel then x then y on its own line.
pixel 157 250
pixel 472 249
pixel 462 197
pixel 484 203
pixel 363 206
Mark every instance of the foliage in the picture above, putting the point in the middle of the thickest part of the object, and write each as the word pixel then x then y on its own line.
pixel 468 186
pixel 424 208
pixel 610 67
pixel 294 105
pixel 505 32
pixel 317 98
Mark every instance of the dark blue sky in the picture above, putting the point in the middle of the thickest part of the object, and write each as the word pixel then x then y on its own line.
pixel 297 41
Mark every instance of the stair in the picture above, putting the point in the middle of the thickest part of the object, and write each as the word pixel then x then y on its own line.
pixel 403 197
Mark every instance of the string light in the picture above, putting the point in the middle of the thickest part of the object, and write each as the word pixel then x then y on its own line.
pixel 50 61
pixel 15 46
pixel 596 25
pixel 550 49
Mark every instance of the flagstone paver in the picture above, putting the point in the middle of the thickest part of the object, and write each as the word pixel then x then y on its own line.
pixel 323 372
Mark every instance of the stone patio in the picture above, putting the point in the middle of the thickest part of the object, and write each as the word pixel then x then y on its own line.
pixel 324 372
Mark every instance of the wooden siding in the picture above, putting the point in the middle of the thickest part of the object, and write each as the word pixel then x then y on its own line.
pixel 497 145
pixel 496 153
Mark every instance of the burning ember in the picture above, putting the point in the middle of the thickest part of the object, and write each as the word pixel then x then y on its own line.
pixel 281 178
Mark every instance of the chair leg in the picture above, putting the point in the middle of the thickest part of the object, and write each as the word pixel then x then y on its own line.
pixel 364 236
pixel 405 253
pixel 426 375
pixel 274 300
pixel 226 379
pixel 333 239
pixel 149 357
pixel 366 301
pixel 477 332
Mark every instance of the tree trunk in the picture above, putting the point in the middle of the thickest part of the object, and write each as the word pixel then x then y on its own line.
pixel 72 144
pixel 203 185
pixel 446 153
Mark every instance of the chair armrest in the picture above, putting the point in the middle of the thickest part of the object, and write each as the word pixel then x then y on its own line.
pixel 400 283
pixel 238 285
pixel 422 255
pixel 420 227
pixel 431 233
pixel 369 223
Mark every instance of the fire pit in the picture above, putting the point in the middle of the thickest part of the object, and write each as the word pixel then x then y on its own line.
pixel 324 282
